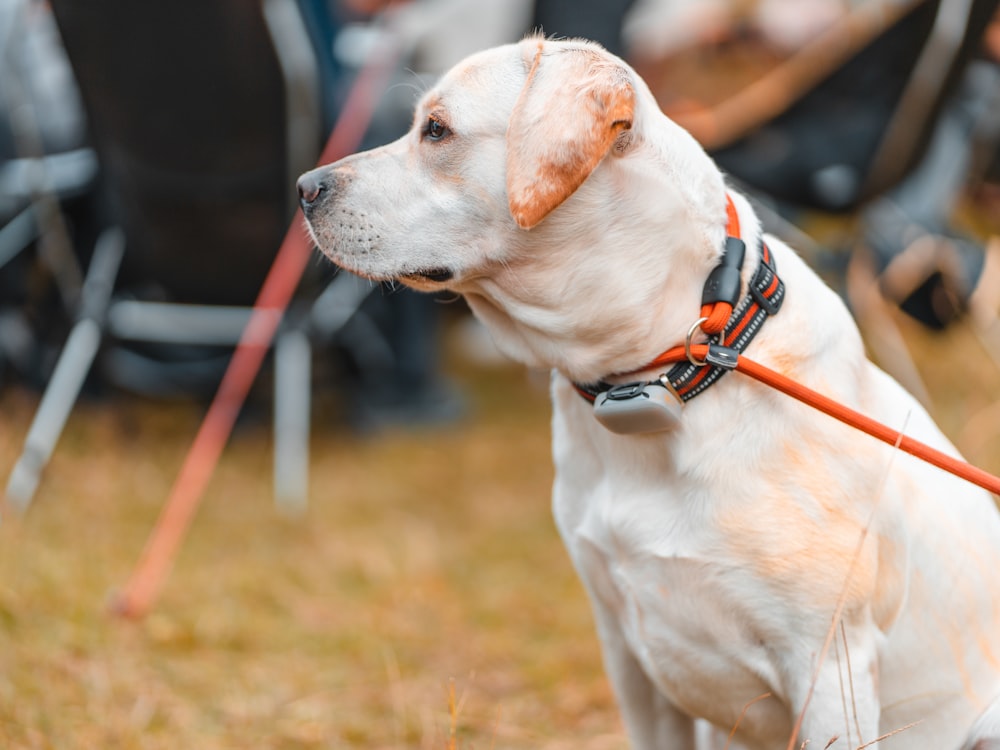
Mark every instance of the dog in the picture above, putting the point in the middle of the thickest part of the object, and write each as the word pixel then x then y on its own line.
pixel 761 575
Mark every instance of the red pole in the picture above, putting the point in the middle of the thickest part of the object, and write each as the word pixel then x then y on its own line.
pixel 139 594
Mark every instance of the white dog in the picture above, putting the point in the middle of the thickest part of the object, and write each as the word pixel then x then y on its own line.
pixel 720 538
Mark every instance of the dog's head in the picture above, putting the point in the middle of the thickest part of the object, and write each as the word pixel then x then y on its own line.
pixel 510 187
pixel 501 141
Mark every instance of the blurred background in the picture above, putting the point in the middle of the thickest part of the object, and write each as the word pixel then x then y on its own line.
pixel 364 570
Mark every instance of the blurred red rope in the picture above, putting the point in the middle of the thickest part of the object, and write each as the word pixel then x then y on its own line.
pixel 151 571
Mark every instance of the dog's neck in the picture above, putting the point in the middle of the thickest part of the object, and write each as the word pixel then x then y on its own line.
pixel 591 312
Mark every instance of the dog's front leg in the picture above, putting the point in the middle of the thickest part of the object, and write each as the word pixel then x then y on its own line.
pixel 651 721
pixel 843 701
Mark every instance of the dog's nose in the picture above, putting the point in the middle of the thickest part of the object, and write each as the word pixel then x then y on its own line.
pixel 310 187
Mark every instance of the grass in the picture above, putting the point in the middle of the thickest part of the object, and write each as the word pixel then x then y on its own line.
pixel 423 601
pixel 415 572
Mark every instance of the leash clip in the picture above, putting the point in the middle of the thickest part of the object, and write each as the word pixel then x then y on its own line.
pixel 722 356
pixel 718 355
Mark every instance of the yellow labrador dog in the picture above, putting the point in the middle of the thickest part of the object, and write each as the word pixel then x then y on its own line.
pixel 718 526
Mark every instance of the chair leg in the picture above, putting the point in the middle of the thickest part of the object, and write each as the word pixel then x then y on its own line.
pixel 57 402
pixel 70 372
pixel 292 384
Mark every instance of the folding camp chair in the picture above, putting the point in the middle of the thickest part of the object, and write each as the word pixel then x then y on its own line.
pixel 202 116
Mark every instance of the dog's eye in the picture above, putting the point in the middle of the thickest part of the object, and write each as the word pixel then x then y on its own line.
pixel 435 129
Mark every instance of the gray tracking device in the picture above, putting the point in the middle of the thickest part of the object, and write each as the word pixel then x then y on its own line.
pixel 638 407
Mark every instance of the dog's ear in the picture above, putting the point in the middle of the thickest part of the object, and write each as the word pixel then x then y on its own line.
pixel 573 107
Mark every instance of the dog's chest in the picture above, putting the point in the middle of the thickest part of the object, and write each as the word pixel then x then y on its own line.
pixel 698 625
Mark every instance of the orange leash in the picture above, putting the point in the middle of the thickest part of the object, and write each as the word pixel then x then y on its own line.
pixel 713 320
pixel 844 414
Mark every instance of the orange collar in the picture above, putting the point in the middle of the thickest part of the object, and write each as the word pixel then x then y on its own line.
pixel 734 331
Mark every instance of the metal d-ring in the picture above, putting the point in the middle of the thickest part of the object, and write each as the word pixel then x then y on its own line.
pixel 687 343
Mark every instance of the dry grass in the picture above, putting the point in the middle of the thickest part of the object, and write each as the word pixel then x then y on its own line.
pixel 418 566
pixel 423 601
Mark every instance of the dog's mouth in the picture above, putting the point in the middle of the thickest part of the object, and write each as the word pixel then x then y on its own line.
pixel 437 275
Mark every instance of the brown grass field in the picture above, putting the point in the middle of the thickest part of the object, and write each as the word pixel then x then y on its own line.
pixel 423 601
